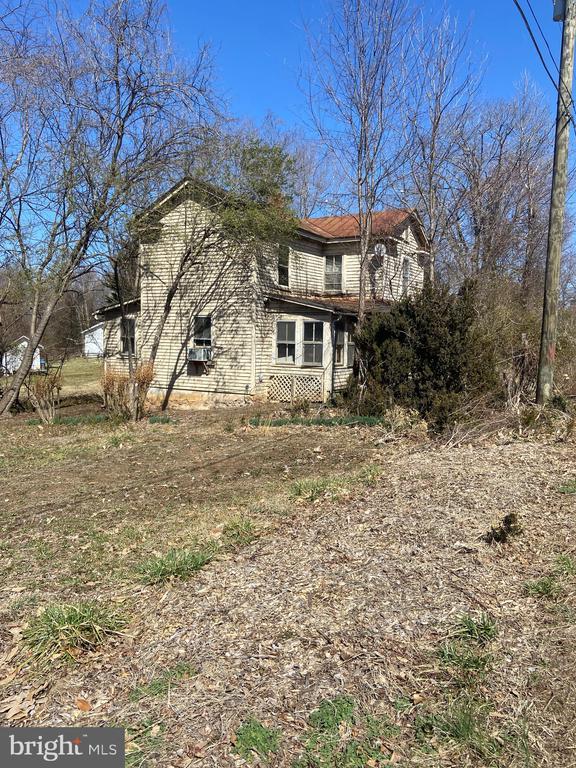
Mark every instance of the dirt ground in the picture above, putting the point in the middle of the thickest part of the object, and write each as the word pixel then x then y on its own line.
pixel 351 590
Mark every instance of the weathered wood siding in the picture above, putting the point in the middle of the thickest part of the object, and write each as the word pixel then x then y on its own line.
pixel 267 365
pixel 219 283
pixel 114 359
pixel 385 269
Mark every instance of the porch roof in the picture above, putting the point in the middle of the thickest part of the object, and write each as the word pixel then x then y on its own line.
pixel 338 304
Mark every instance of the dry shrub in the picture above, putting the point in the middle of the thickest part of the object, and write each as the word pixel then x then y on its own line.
pixel 44 394
pixel 116 392
pixel 544 420
pixel 399 422
pixel 125 395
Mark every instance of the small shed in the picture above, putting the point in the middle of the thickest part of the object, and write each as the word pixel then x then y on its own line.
pixel 11 359
pixel 94 340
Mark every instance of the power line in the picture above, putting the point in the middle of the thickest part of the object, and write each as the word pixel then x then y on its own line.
pixel 543 36
pixel 541 57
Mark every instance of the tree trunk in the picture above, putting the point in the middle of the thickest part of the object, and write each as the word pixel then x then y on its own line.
pixel 11 394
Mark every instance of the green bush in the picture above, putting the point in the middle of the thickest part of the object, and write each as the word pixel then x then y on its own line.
pixel 427 353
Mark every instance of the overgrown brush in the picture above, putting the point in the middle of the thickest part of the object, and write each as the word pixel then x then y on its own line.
pixel 125 394
pixel 427 353
pixel 44 394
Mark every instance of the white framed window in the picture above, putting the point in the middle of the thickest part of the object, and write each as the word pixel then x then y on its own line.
pixel 333 273
pixel 350 347
pixel 128 336
pixel 284 266
pixel 313 343
pixel 350 352
pixel 379 254
pixel 405 275
pixel 203 331
pixel 339 342
pixel 286 341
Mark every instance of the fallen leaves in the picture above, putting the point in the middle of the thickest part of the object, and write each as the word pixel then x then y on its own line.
pixel 21 705
pixel 83 705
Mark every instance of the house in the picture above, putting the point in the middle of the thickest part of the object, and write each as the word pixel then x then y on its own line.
pixel 276 324
pixel 93 340
pixel 11 359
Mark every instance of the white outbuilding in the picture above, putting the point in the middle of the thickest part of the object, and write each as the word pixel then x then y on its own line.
pixel 11 359
pixel 94 340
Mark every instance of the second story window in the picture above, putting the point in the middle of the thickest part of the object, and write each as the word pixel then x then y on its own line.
pixel 128 336
pixel 203 331
pixel 333 273
pixel 405 276
pixel 284 266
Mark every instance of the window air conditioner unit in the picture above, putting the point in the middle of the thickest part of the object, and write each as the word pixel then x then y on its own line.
pixel 199 355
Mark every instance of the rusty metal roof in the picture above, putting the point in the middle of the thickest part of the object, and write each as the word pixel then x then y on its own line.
pixel 335 227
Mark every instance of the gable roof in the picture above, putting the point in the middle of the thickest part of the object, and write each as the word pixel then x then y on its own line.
pixel 383 223
pixel 386 223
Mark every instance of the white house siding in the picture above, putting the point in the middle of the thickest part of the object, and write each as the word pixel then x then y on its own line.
pixel 114 359
pixel 220 285
pixel 267 365
pixel 94 341
pixel 385 271
pixel 306 269
pixel 12 358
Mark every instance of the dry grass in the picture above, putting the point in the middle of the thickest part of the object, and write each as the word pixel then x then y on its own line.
pixel 380 594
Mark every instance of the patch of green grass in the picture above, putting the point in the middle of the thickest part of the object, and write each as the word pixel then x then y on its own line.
pixel 238 533
pixel 65 630
pixel 568 488
pixel 176 564
pixel 318 421
pixel 143 742
pixel 341 736
pixel 161 685
pixel 160 418
pixel 332 712
pixel 481 630
pixel 565 565
pixel 546 588
pixel 460 655
pixel 311 489
pixel 464 723
pixel 79 372
pixel 254 739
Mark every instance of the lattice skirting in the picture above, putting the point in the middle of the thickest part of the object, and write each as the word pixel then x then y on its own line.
pixel 286 389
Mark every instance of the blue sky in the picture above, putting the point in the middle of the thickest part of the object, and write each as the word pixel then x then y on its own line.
pixel 259 44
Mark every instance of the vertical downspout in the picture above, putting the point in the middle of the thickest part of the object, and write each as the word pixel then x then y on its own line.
pixel 333 319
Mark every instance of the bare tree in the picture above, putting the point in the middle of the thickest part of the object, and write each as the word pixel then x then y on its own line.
pixel 439 88
pixel 502 158
pixel 354 94
pixel 100 116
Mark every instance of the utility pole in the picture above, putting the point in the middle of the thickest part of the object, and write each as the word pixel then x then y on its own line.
pixel 564 10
